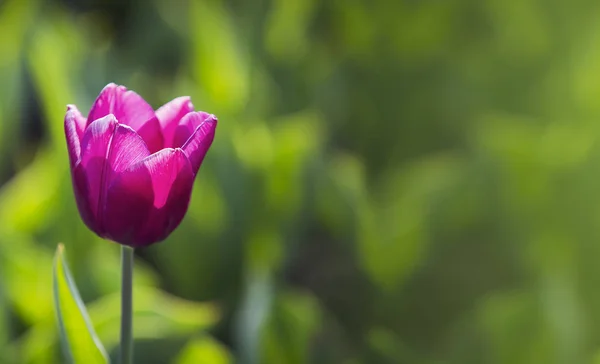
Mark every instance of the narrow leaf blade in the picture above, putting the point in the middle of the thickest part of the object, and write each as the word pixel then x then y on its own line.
pixel 78 338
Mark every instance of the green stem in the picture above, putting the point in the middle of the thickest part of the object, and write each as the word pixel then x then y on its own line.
pixel 126 352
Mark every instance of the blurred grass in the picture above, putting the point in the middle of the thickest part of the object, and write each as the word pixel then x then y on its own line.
pixel 391 181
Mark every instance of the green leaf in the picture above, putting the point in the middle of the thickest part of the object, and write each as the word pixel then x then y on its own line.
pixel 204 350
pixel 290 331
pixel 30 295
pixel 73 319
pixel 225 76
pixel 24 207
pixel 156 315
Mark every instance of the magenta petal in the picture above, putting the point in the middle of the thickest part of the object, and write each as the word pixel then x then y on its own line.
pixel 152 135
pixel 88 173
pixel 126 105
pixel 169 116
pixel 187 125
pixel 130 109
pixel 199 142
pixel 74 128
pixel 107 148
pixel 149 200
pixel 126 149
pixel 84 200
pixel 79 120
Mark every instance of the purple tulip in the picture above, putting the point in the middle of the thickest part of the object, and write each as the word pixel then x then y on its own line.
pixel 133 168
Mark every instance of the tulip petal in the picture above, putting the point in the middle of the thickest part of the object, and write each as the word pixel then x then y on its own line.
pixel 149 200
pixel 152 135
pixel 198 143
pixel 126 105
pixel 74 128
pixel 187 125
pixel 130 109
pixel 79 120
pixel 169 116
pixel 107 148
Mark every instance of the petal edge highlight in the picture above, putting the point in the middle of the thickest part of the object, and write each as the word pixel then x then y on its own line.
pixel 126 105
pixel 74 128
pixel 200 141
pixel 169 116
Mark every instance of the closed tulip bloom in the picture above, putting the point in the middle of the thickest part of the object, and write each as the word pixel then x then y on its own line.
pixel 133 168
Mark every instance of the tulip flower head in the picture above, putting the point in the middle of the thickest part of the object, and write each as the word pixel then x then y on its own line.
pixel 133 168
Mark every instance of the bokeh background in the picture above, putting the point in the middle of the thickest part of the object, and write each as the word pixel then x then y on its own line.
pixel 409 181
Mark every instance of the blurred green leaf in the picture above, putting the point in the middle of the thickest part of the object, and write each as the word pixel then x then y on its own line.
pixel 219 63
pixel 520 33
pixel 286 28
pixel 105 268
pixel 253 144
pixel 341 189
pixel 38 345
pixel 155 315
pixel 393 224
pixel 77 336
pixel 291 327
pixel 24 205
pixel 15 17
pixel 512 323
pixel 5 330
pixel 53 56
pixel 297 140
pixel 252 315
pixel 31 294
pixel 204 350
pixel 264 249
pixel 390 348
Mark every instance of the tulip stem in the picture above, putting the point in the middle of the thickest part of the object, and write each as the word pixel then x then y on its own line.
pixel 126 352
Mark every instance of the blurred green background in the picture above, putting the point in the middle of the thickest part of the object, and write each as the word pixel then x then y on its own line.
pixel 409 181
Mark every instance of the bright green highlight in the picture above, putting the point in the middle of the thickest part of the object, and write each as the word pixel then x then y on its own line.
pixel 78 338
